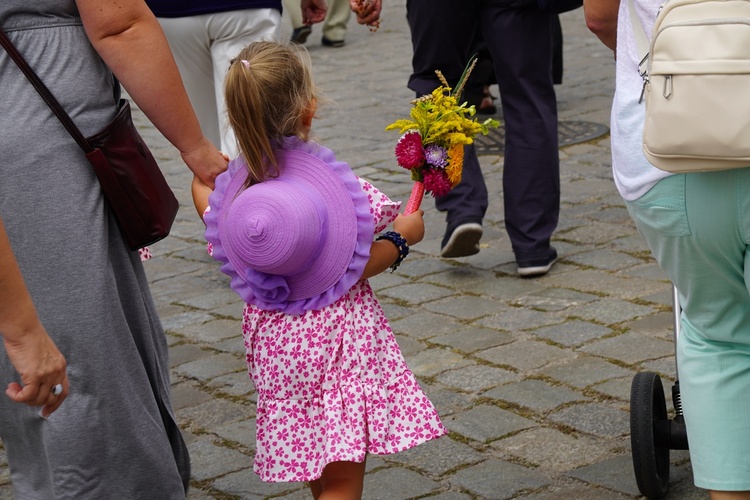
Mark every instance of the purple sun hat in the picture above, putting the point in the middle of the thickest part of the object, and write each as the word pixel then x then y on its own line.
pixel 296 242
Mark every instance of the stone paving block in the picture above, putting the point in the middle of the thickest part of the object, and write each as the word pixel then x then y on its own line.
pixel 451 495
pixel 235 346
pixel 420 266
pixel 187 352
pixel 423 325
pixel 178 288
pixel 211 331
pixel 207 368
pixel 409 346
pixel 552 449
pixel 630 347
pixel 614 474
pixel 553 299
pixel 649 270
pixel 394 311
pixel 212 299
pixel 208 460
pixel 660 324
pixel 535 395
pixel 397 482
pixel 184 395
pixel 164 268
pixel 506 288
pixel 608 260
pixel 594 418
pixel 459 277
pixel 476 378
pixel 7 493
pixel 437 457
pixel 495 479
pixel 525 355
pixel 486 423
pixel 213 413
pixel 618 388
pixel 178 317
pixel 470 339
pixel 572 333
pixel 231 311
pixel 596 233
pixel 519 320
pixel 242 432
pixel 610 311
pixel 605 284
pixel 233 384
pixel 584 371
pixel 414 293
pixel 465 307
pixel 446 401
pixel 574 493
pixel 387 280
pixel 245 484
pixel 430 362
pixel 665 367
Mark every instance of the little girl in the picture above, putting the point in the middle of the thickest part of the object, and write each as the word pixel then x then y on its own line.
pixel 293 228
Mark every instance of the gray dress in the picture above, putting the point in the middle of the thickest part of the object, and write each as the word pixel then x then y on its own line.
pixel 115 436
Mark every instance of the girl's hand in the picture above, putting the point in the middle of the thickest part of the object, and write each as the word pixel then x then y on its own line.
pixel 41 367
pixel 410 226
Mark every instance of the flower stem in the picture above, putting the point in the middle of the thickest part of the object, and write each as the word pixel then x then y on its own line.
pixel 415 199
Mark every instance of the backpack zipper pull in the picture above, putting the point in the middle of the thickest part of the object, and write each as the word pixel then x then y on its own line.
pixel 643 89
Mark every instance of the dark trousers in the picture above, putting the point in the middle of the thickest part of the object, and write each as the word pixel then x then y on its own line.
pixel 520 40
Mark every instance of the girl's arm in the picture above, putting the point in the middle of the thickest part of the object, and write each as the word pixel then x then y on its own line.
pixel 129 39
pixel 201 192
pixel 31 351
pixel 383 253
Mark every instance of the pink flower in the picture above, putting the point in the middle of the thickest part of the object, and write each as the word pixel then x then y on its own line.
pixel 435 182
pixel 409 150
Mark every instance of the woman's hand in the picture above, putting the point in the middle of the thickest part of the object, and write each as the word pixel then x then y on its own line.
pixel 41 367
pixel 206 162
pixel 313 11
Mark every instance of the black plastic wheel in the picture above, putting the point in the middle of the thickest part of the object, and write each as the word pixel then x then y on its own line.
pixel 650 462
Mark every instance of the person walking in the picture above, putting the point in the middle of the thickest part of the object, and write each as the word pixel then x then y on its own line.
pixel 293 227
pixel 116 435
pixel 520 40
pixel 204 36
pixel 334 26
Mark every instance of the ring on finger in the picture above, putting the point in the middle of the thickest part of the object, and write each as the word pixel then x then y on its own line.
pixel 57 390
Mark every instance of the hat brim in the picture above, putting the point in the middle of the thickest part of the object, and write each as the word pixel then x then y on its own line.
pixel 349 227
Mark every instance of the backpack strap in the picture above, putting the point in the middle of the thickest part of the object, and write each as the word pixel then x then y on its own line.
pixel 641 43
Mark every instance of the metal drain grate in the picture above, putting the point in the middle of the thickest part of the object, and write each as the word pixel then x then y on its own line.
pixel 569 132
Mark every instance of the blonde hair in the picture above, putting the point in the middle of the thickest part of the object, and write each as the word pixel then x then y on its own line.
pixel 268 89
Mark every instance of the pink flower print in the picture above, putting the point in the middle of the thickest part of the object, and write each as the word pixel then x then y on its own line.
pixel 410 412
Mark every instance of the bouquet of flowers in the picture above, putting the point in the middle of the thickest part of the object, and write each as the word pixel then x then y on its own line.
pixel 433 139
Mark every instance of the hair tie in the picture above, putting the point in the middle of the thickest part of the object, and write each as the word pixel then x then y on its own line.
pixel 245 63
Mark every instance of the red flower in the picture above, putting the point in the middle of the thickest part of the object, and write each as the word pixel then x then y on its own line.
pixel 436 182
pixel 409 150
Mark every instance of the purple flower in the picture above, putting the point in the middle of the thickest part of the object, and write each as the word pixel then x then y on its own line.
pixel 409 150
pixel 436 155
pixel 269 288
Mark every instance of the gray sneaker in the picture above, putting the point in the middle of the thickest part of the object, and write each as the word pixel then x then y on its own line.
pixel 461 241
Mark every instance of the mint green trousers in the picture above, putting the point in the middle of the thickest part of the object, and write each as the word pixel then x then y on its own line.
pixel 698 227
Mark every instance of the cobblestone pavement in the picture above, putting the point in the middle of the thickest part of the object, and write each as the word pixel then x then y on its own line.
pixel 531 376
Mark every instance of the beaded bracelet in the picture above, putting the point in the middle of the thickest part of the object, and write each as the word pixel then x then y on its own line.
pixel 400 242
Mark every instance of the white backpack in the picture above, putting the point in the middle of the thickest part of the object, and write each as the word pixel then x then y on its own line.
pixel 696 85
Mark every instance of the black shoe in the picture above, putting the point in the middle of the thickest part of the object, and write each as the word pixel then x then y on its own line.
pixel 537 267
pixel 299 35
pixel 461 239
pixel 327 42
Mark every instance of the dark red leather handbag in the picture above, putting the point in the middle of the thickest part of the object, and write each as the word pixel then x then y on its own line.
pixel 135 189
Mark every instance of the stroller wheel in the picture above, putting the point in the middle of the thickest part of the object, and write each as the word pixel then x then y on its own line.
pixel 650 462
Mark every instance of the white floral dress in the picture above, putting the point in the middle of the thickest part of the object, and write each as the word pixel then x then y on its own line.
pixel 332 383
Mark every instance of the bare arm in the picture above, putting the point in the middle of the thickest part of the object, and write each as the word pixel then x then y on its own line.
pixel 201 192
pixel 601 19
pixel 31 351
pixel 130 41
pixel 383 253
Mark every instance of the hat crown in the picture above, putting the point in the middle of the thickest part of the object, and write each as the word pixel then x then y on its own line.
pixel 276 226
